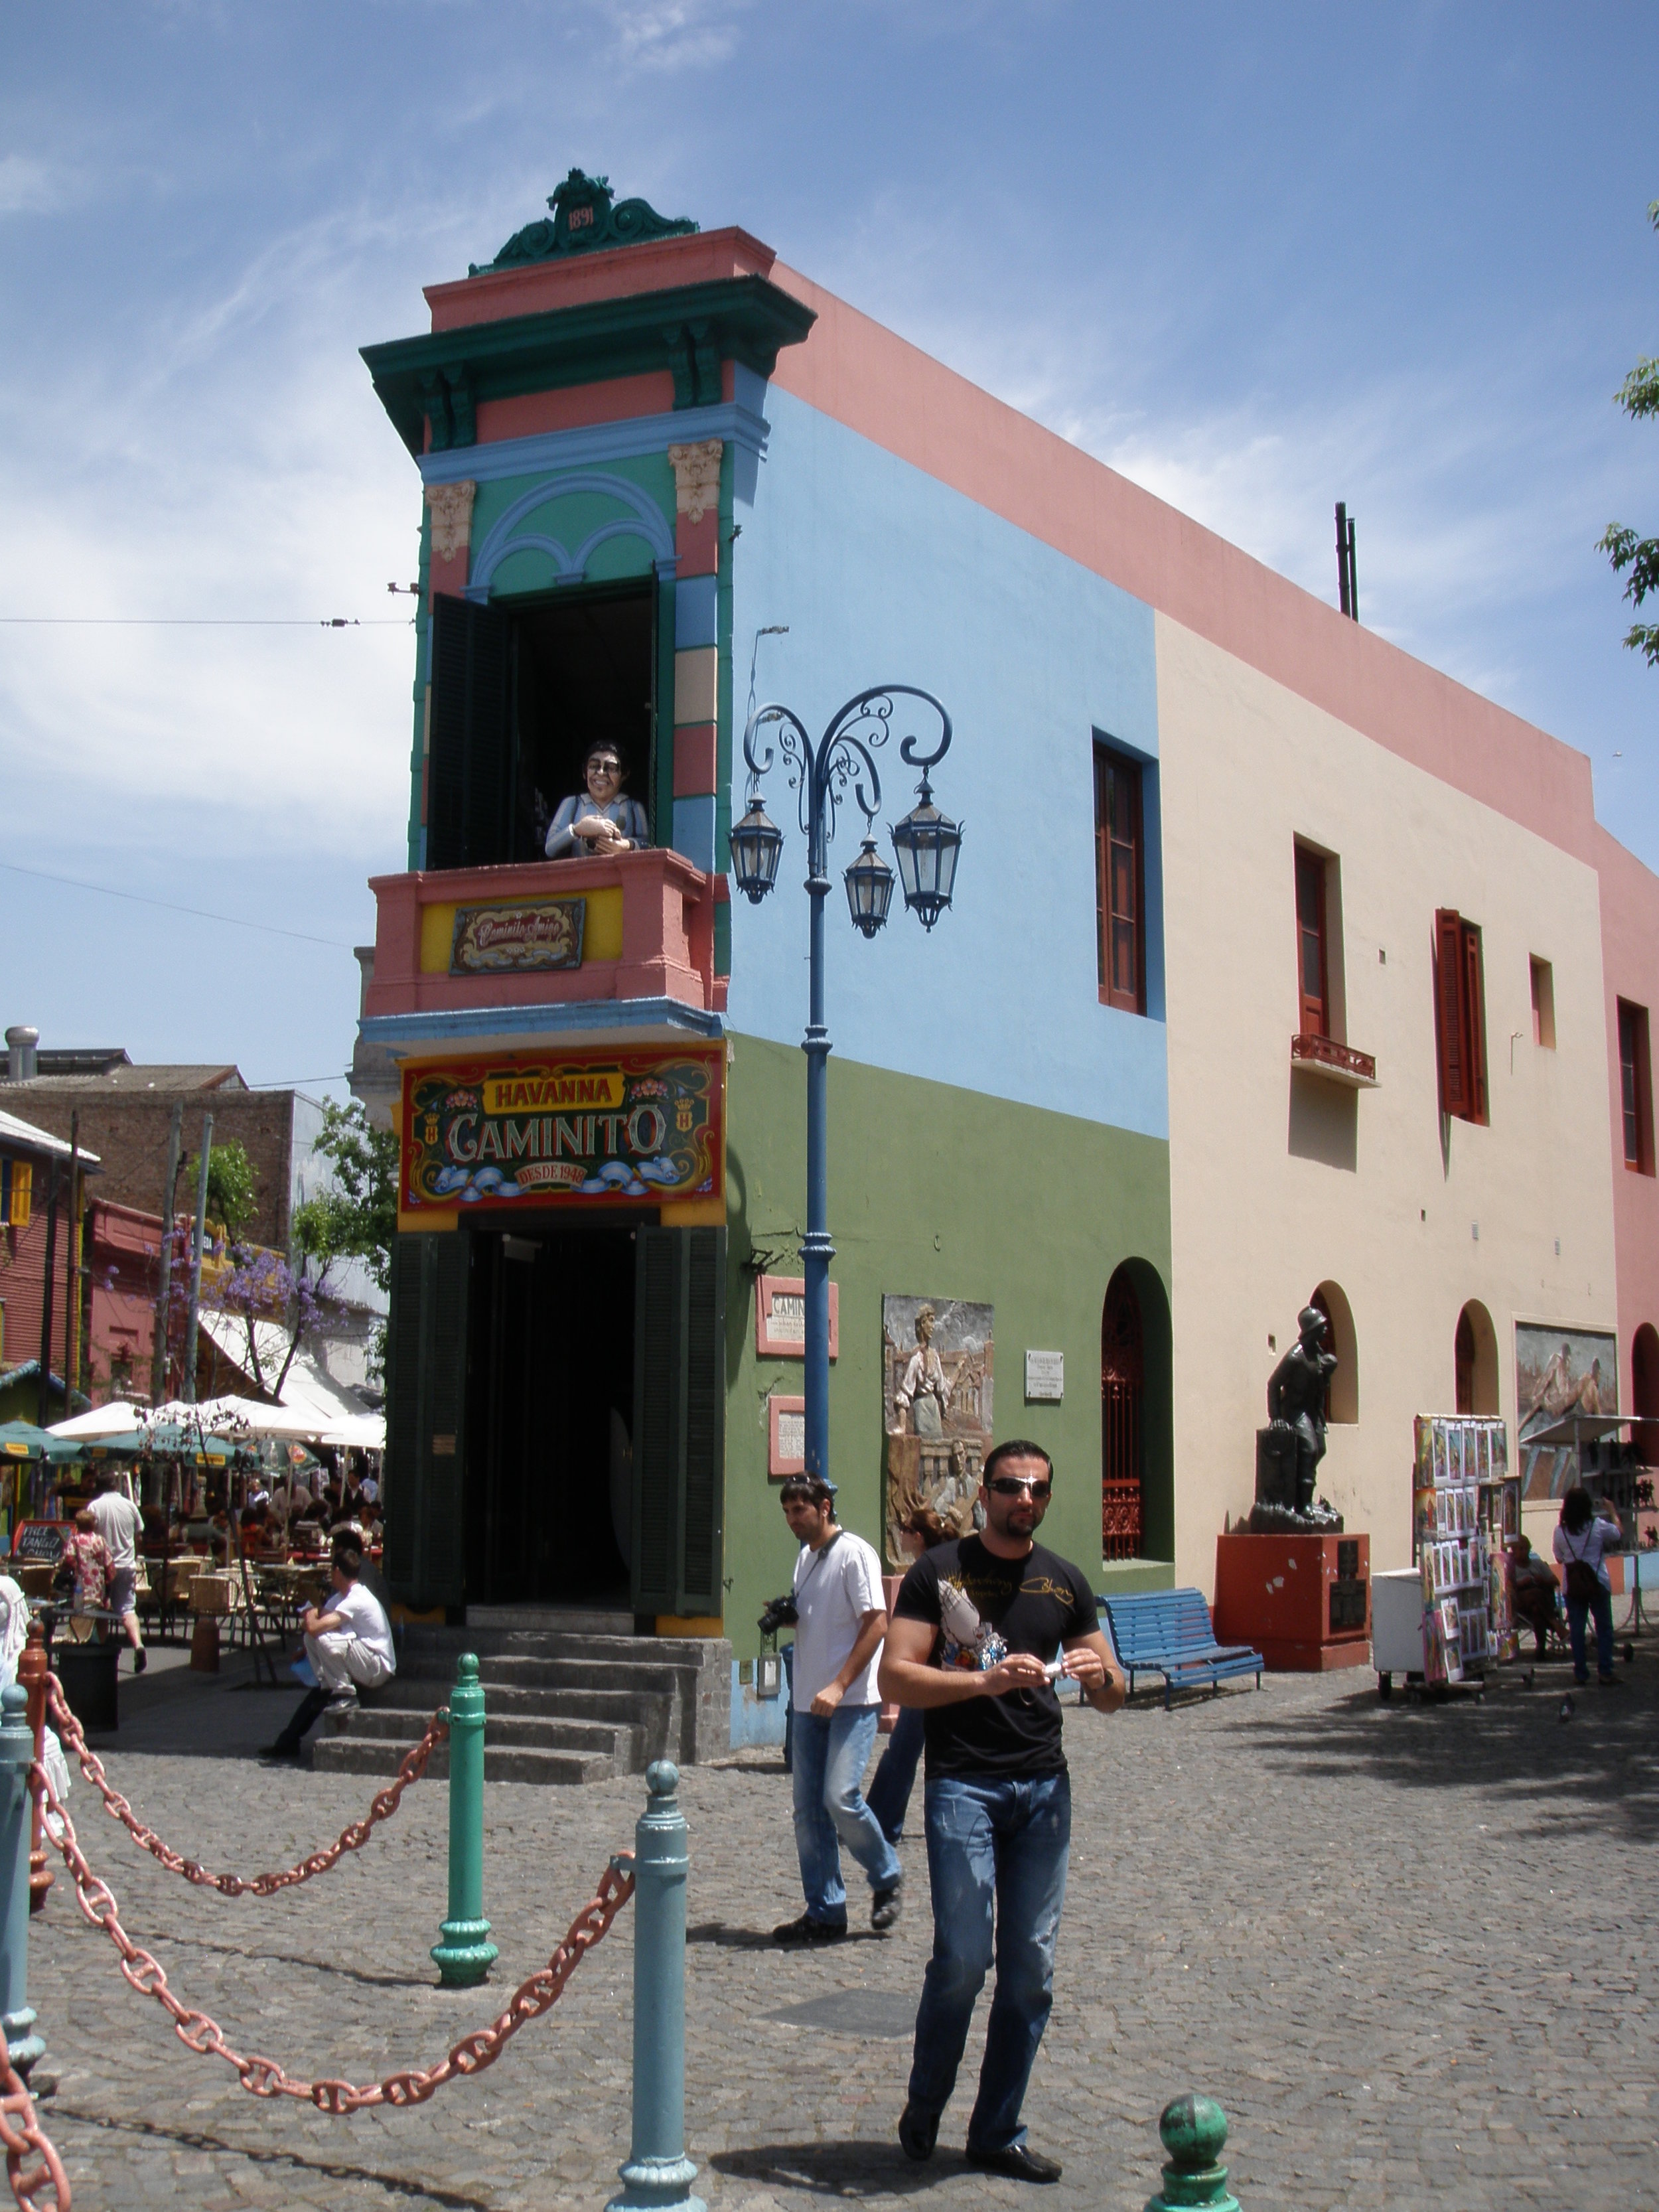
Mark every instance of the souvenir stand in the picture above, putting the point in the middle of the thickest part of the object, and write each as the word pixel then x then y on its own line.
pixel 1447 1618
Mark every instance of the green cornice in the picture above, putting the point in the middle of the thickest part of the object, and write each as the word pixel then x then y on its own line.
pixel 689 330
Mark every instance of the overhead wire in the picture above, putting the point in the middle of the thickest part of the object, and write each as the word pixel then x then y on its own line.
pixel 200 913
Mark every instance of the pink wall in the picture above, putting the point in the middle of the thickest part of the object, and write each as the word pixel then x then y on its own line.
pixel 1630 956
pixel 624 272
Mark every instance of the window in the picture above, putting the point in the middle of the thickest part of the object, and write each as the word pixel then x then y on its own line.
pixel 1474 1360
pixel 1543 1003
pixel 1636 1087
pixel 1313 968
pixel 16 1189
pixel 1120 881
pixel 1460 1017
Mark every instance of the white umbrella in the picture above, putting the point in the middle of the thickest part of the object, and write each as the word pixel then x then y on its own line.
pixel 117 1418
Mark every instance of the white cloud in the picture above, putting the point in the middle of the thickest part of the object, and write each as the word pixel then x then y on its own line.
pixel 677 34
pixel 28 186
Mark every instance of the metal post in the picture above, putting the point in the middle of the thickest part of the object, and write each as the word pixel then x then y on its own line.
pixel 32 1669
pixel 466 1955
pixel 816 1250
pixel 658 2176
pixel 158 1355
pixel 1194 2130
pixel 23 2046
pixel 187 1379
pixel 72 1270
pixel 43 1397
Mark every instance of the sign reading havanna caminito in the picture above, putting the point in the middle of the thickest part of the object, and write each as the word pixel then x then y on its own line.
pixel 579 1130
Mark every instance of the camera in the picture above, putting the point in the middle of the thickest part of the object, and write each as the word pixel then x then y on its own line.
pixel 779 1614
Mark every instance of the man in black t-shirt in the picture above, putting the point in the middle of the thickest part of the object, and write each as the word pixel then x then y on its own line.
pixel 973 1641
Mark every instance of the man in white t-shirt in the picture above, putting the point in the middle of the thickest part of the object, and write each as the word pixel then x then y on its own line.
pixel 840 1620
pixel 120 1524
pixel 349 1644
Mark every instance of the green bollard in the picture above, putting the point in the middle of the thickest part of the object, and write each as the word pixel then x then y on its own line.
pixel 1193 2129
pixel 466 1954
pixel 658 2176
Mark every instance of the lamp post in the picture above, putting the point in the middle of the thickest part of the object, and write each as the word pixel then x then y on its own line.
pixel 926 844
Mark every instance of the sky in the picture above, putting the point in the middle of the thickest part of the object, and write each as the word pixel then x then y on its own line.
pixel 1257 259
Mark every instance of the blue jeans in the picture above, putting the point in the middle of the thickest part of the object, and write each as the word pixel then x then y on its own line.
pixel 895 1778
pixel 996 1852
pixel 1602 1606
pixel 830 1757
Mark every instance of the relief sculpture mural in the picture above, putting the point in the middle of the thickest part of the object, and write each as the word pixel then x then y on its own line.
pixel 937 1384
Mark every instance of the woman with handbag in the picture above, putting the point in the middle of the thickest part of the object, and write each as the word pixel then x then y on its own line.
pixel 1585 1532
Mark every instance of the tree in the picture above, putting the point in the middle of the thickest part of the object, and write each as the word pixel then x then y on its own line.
pixel 357 1217
pixel 1638 395
pixel 233 1194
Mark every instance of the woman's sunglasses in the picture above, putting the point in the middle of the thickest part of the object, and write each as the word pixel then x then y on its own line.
pixel 1010 1485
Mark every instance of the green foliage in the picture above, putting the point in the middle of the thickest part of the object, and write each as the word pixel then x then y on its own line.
pixel 357 1217
pixel 1638 395
pixel 233 1194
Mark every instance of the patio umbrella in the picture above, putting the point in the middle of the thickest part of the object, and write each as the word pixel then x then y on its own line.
pixel 117 1418
pixel 22 1440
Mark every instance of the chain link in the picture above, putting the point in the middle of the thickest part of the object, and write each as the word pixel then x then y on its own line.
pixel 352 1838
pixel 20 2132
pixel 265 2077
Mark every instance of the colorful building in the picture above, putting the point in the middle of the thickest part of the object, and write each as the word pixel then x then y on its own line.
pixel 1242 995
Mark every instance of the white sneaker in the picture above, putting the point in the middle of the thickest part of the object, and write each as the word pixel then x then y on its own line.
pixel 343 1700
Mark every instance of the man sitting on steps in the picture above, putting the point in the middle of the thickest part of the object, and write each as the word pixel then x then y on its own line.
pixel 349 1647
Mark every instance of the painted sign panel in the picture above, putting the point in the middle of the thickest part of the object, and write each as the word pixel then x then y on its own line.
pixel 937 1413
pixel 1558 1372
pixel 1045 1376
pixel 577 1130
pixel 495 940
pixel 780 1317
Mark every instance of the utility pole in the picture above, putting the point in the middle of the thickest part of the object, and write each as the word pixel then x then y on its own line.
pixel 42 1412
pixel 187 1381
pixel 72 1270
pixel 158 1357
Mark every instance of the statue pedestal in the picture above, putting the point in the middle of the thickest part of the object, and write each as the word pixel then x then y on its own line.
pixel 1302 1601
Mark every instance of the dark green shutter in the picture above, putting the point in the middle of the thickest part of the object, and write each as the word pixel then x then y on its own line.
pixel 679 1419
pixel 468 809
pixel 426 1420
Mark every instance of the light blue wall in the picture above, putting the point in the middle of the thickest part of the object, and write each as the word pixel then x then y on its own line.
pixel 885 574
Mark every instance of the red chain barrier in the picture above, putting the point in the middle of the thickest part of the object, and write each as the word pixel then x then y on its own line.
pixel 352 1839
pixel 264 2077
pixel 22 2132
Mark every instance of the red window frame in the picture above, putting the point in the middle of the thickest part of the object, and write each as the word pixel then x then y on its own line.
pixel 1312 961
pixel 1636 1087
pixel 1120 881
pixel 1459 1016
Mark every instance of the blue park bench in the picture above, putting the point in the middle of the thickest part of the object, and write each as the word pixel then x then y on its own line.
pixel 1170 1632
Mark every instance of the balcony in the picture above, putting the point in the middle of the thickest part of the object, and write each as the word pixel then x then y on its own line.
pixel 1337 1063
pixel 550 934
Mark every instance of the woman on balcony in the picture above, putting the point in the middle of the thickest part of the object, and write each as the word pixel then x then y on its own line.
pixel 602 820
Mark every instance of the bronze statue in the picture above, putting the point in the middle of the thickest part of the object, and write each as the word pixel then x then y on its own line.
pixel 1289 1450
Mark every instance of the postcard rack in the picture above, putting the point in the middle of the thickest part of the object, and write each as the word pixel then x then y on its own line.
pixel 1461 1505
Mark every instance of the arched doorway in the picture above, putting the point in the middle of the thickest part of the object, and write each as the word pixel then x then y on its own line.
pixel 1342 1399
pixel 1122 1394
pixel 1475 1356
pixel 1644 1391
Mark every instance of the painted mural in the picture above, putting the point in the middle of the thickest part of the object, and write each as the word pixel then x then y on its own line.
pixel 1558 1372
pixel 937 1396
pixel 582 1131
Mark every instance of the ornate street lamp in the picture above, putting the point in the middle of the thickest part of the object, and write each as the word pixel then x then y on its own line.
pixel 926 844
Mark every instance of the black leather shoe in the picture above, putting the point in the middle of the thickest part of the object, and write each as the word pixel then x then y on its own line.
pixel 285 1753
pixel 1019 2162
pixel 917 2132
pixel 805 1929
pixel 885 1908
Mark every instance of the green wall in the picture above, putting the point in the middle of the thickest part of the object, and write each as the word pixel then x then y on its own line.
pixel 935 1191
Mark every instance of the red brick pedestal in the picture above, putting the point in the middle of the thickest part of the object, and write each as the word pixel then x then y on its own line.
pixel 1304 1603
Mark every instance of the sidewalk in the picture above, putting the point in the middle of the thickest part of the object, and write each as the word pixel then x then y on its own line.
pixel 1411 1951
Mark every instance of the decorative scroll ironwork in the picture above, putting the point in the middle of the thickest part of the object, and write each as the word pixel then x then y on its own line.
pixel 844 756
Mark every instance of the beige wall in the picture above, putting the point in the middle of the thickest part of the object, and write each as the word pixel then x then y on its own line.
pixel 1246 768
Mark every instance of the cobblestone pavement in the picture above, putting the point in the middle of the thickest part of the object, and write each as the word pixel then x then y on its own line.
pixel 1411 1950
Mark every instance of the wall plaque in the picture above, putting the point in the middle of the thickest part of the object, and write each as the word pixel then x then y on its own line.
pixel 780 1317
pixel 786 1436
pixel 577 1130
pixel 497 940
pixel 1045 1376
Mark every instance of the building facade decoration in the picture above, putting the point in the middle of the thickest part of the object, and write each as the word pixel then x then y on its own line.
pixel 452 518
pixel 696 476
pixel 586 218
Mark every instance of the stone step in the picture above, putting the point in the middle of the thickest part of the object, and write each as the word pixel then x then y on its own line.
pixel 514 1671
pixel 538 1731
pixel 550 1620
pixel 378 1755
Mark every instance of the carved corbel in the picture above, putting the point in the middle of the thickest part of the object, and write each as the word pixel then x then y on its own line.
pixel 696 476
pixel 452 518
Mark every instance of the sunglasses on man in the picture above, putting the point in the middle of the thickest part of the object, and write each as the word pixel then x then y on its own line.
pixel 1010 1485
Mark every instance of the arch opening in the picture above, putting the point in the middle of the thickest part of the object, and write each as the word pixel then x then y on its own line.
pixel 1644 1391
pixel 1136 1417
pixel 1342 1399
pixel 1475 1355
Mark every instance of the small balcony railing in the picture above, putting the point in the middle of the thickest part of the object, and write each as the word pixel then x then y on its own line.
pixel 1322 1055
pixel 639 926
